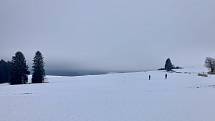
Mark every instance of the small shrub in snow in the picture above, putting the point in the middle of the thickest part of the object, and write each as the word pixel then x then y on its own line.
pixel 202 74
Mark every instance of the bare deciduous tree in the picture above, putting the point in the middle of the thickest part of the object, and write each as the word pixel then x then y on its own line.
pixel 210 64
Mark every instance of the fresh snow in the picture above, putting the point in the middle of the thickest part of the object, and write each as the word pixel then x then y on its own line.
pixel 113 97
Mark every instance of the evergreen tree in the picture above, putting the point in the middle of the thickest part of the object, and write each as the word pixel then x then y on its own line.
pixel 168 65
pixel 9 68
pixel 4 72
pixel 19 69
pixel 38 68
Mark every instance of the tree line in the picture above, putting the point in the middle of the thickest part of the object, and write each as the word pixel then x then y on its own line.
pixel 16 71
pixel 209 63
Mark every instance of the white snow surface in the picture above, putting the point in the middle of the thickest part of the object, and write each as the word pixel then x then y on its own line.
pixel 113 97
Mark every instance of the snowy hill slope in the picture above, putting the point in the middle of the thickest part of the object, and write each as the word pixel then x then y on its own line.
pixel 112 97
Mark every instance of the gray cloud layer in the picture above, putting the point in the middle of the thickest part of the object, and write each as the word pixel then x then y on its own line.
pixel 109 34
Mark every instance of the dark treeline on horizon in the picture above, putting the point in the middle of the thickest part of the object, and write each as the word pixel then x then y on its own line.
pixel 16 71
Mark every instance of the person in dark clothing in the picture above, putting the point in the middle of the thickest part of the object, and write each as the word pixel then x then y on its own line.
pixel 149 77
pixel 165 76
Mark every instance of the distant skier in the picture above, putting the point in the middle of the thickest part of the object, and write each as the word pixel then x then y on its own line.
pixel 165 76
pixel 149 77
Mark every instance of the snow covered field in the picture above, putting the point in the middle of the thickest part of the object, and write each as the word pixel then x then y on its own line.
pixel 112 97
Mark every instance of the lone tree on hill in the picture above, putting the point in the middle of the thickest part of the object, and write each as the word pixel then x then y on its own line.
pixel 19 69
pixel 210 64
pixel 38 68
pixel 168 65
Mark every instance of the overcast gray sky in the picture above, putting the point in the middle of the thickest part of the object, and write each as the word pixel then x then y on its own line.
pixel 109 34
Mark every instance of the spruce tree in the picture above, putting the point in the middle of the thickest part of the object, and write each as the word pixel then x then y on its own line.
pixel 4 72
pixel 168 65
pixel 19 69
pixel 38 68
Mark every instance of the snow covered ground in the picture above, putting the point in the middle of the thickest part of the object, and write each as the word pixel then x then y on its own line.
pixel 113 97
